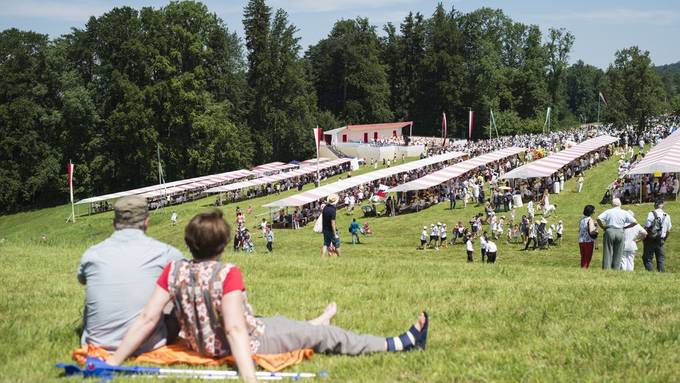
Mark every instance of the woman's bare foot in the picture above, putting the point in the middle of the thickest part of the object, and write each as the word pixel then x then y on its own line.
pixel 325 318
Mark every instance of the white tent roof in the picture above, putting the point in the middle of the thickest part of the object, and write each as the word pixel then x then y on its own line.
pixel 312 161
pixel 172 187
pixel 664 157
pixel 278 177
pixel 348 183
pixel 456 170
pixel 549 165
pixel 272 167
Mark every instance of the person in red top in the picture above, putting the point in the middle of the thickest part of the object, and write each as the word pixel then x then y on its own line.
pixel 216 319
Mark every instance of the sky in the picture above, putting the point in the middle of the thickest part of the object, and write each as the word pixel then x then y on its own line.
pixel 601 27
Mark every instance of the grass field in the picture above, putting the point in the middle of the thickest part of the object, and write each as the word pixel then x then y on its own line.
pixel 533 316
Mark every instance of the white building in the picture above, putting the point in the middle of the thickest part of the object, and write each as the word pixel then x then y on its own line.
pixel 366 133
pixel 357 141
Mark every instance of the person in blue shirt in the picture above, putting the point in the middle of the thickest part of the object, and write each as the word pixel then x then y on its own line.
pixel 354 229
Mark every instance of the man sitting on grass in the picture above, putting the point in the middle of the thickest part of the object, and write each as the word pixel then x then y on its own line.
pixel 119 275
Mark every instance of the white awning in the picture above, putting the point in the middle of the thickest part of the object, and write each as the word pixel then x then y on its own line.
pixel 456 170
pixel 163 189
pixel 348 183
pixel 547 166
pixel 305 170
pixel 663 158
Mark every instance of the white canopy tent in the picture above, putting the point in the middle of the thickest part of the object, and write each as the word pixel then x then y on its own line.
pixel 312 161
pixel 348 183
pixel 663 158
pixel 173 187
pixel 547 166
pixel 305 170
pixel 272 167
pixel 456 170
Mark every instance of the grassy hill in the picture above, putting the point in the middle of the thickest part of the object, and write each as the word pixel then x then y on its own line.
pixel 533 316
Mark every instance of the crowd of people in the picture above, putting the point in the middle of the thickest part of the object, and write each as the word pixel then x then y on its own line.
pixel 643 187
pixel 296 183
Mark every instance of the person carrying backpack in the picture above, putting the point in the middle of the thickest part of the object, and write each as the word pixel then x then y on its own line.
pixel 658 227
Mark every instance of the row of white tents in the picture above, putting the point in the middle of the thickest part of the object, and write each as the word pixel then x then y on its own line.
pixel 543 167
pixel 663 158
pixel 352 182
pixel 199 184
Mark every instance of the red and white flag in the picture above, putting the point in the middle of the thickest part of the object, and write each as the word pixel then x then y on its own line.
pixel 444 128
pixel 604 100
pixel 70 179
pixel 318 136
pixel 471 124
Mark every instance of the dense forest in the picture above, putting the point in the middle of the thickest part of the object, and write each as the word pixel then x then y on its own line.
pixel 177 81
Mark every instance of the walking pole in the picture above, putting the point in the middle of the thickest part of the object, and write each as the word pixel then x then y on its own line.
pixel 98 368
pixel 317 141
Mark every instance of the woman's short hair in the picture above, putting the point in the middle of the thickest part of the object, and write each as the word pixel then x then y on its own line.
pixel 207 234
pixel 588 210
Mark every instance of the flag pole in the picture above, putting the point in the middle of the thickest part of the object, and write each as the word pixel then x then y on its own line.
pixel 598 109
pixel 490 120
pixel 317 140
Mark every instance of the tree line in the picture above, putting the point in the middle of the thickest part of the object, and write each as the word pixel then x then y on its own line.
pixel 177 81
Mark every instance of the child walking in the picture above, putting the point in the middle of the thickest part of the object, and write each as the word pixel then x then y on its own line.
pixel 269 236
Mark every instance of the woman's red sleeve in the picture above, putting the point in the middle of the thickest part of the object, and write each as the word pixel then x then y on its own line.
pixel 233 281
pixel 162 281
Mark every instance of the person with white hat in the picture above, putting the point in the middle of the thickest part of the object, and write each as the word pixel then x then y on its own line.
pixel 423 238
pixel 614 221
pixel 331 236
pixel 442 236
pixel 632 236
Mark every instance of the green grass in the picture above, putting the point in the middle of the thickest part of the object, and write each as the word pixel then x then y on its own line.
pixel 533 316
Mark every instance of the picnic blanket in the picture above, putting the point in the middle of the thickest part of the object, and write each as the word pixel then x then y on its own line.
pixel 179 353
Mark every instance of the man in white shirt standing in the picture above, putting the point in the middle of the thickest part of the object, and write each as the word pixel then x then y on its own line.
pixel 491 251
pixel 658 227
pixel 614 221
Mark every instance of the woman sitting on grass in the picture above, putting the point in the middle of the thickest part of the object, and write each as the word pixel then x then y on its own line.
pixel 216 319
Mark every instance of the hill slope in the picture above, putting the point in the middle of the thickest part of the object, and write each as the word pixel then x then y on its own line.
pixel 533 316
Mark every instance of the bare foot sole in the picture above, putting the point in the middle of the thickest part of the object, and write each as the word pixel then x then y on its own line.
pixel 326 316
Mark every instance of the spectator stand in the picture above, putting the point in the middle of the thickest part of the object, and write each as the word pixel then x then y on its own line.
pixel 236 189
pixel 450 173
pixel 541 173
pixel 312 198
pixel 162 194
pixel 654 175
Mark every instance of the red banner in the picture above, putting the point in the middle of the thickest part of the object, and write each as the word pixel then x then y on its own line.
pixel 318 136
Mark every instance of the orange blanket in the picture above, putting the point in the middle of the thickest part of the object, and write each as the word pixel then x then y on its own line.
pixel 180 354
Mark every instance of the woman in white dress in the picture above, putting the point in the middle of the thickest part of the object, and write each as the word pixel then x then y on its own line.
pixel 631 237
